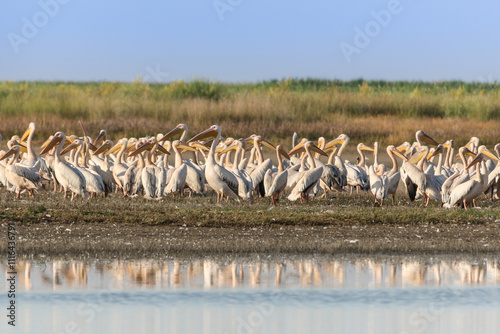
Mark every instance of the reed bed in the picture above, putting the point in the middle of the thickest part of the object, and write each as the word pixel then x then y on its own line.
pixel 389 112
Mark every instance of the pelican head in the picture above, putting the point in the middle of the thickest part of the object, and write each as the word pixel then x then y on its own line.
pixel 482 149
pixel 13 150
pixel 422 137
pixel 56 139
pixel 309 145
pixel 212 131
pixel 102 137
pixel 175 131
pixel 31 128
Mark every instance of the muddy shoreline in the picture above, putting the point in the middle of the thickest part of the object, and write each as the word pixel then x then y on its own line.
pixel 130 241
pixel 49 227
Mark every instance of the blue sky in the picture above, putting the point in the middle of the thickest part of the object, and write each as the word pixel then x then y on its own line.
pixel 245 41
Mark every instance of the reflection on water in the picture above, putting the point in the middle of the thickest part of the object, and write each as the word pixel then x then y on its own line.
pixel 300 273
pixel 306 295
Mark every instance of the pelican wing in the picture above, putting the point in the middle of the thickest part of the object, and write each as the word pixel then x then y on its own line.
pixel 26 173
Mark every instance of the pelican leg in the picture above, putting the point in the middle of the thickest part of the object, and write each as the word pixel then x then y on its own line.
pixel 465 205
pixel 18 194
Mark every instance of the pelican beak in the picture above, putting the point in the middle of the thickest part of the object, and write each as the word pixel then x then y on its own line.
pixel 297 149
pixel 45 143
pixel 477 159
pixel 203 135
pixel 146 146
pixel 163 150
pixel 22 146
pixel 104 147
pixel 177 130
pixel 231 147
pixel 416 157
pixel 399 154
pixel 316 149
pixel 333 143
pixel 100 137
pixel 26 134
pixel 92 147
pixel 53 142
pixel 116 148
pixel 488 153
pixel 402 148
pixel 199 145
pixel 437 151
pixel 70 147
pixel 186 148
pixel 468 152
pixel 268 144
pixel 283 153
pixel 366 148
pixel 10 152
pixel 425 138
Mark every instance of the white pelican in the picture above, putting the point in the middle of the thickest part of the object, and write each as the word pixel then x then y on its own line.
pixel 493 187
pixel 393 175
pixel 276 183
pixel 459 177
pixel 195 176
pixel 132 178
pixel 245 185
pixel 179 174
pixel 257 173
pixel 32 159
pixel 379 184
pixel 119 167
pixel 102 166
pixel 20 176
pixel 356 174
pixel 152 176
pixel 68 176
pixel 468 191
pixel 93 181
pixel 222 181
pixel 310 177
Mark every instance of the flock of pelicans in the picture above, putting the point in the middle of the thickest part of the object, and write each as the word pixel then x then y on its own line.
pixel 140 167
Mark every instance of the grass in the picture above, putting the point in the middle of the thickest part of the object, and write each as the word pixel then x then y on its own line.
pixel 389 112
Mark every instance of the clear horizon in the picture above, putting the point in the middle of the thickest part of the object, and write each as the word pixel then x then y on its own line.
pixel 238 41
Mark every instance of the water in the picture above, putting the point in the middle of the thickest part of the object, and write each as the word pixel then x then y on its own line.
pixel 294 295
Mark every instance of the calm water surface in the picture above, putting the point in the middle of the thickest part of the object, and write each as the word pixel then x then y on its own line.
pixel 302 295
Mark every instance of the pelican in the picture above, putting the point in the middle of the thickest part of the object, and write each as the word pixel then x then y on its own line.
pixel 275 184
pixel 222 181
pixel 179 174
pixel 393 175
pixel 245 185
pixel 195 176
pixel 68 176
pixel 103 167
pixel 257 173
pixel 468 191
pixel 152 176
pixel 93 181
pixel 458 177
pixel 310 177
pixel 379 184
pixel 356 174
pixel 20 176
pixel 493 187
pixel 32 159
pixel 119 167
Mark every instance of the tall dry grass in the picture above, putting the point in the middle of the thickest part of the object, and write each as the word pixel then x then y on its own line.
pixel 389 112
